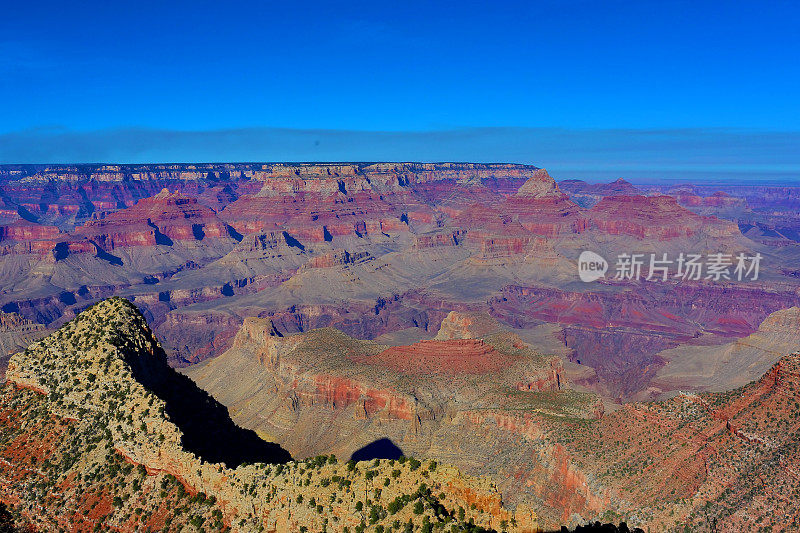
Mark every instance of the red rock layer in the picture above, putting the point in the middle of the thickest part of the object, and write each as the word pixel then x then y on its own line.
pixel 341 392
pixel 158 220
pixel 22 237
pixel 23 231
pixel 652 217
pixel 460 356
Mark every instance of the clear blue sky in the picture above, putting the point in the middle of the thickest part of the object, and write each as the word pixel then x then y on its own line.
pixel 398 66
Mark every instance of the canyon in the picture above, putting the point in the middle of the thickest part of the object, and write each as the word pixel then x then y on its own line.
pixel 377 250
pixel 530 425
pixel 437 307
pixel 99 432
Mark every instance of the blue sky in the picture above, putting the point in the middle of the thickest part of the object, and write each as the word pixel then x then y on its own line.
pixel 73 74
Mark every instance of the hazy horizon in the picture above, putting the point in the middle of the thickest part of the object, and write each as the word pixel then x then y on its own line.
pixel 700 154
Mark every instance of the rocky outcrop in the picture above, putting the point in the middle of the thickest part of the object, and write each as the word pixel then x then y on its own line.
pixel 654 464
pixel 539 185
pixel 340 258
pixel 465 325
pixel 538 207
pixel 436 239
pixel 344 393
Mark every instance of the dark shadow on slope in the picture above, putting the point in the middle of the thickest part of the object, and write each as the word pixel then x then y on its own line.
pixel 60 251
pixel 10 307
pixel 291 241
pixel 87 208
pixel 160 238
pixel 67 298
pixel 198 232
pixel 7 521
pixel 27 215
pixel 235 235
pixel 208 430
pixel 105 256
pixel 380 449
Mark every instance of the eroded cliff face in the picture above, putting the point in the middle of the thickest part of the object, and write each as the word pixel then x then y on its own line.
pixel 98 430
